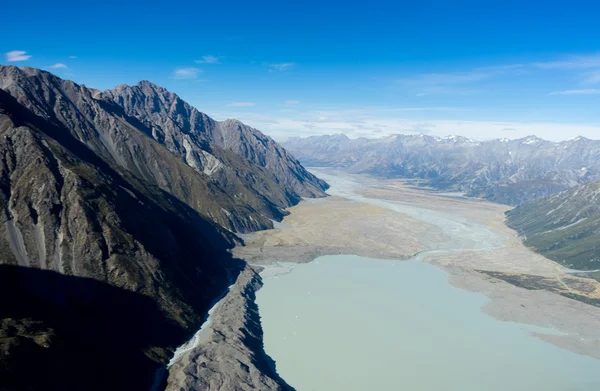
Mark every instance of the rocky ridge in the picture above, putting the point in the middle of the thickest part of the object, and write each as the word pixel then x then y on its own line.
pixel 231 355
pixel 242 197
pixel 114 245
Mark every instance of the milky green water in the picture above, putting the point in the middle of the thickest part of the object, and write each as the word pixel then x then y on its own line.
pixel 351 323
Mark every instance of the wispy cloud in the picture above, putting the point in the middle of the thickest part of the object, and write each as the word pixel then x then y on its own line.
pixel 209 60
pixel 572 62
pixel 186 73
pixel 17 55
pixel 500 68
pixel 427 109
pixel 58 65
pixel 447 78
pixel 241 104
pixel 587 91
pixel 292 102
pixel 592 77
pixel 72 57
pixel 283 127
pixel 280 66
pixel 584 67
pixel 443 83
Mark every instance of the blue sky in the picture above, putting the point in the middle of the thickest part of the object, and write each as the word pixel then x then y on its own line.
pixel 482 70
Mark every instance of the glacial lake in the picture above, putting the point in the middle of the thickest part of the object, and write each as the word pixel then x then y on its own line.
pixel 344 323
pixel 352 323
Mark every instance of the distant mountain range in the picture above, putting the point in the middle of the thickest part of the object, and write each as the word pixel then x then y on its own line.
pixel 118 210
pixel 556 184
pixel 506 171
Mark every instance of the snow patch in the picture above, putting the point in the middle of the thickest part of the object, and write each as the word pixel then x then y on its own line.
pixel 531 140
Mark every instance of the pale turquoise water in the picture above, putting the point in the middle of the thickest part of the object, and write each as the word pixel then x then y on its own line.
pixel 351 323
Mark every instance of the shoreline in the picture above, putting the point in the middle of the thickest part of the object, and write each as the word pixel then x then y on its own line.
pixel 229 353
pixel 508 303
pixel 336 225
pixel 542 305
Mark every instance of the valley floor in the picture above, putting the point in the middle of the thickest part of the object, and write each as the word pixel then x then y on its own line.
pixel 390 219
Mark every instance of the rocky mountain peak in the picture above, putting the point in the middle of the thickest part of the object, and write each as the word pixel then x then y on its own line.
pixel 118 209
pixel 532 139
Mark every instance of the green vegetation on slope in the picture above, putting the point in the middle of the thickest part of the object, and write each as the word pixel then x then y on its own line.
pixel 564 227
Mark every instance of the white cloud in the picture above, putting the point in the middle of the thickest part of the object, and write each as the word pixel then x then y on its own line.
pixel 241 104
pixel 427 109
pixel 587 91
pixel 585 67
pixel 58 65
pixel 280 67
pixel 572 62
pixel 443 83
pixel 72 57
pixel 186 73
pixel 592 77
pixel 383 122
pixel 499 68
pixel 447 78
pixel 209 60
pixel 17 55
pixel 292 102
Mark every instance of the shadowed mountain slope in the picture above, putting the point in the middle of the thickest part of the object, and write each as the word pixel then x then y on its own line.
pixel 67 210
pixel 113 245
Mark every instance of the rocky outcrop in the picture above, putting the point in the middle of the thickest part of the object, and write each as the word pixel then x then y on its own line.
pixel 506 171
pixel 215 148
pixel 230 356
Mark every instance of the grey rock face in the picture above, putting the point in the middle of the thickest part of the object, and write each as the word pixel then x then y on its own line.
pixel 117 223
pixel 505 171
pixel 207 145
pixel 238 177
pixel 66 210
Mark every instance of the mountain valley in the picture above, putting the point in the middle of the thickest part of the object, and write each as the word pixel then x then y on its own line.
pixel 134 222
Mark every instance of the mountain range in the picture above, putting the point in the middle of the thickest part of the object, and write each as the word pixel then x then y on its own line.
pixel 555 185
pixel 119 208
pixel 506 171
